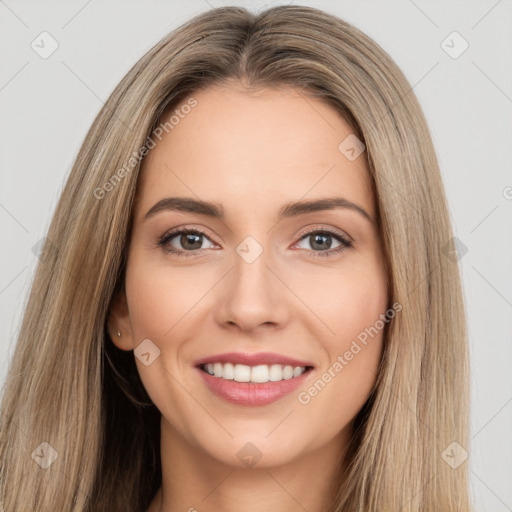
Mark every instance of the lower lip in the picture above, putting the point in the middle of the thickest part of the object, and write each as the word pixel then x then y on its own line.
pixel 252 393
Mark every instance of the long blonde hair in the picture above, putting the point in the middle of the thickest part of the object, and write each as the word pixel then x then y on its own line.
pixel 67 385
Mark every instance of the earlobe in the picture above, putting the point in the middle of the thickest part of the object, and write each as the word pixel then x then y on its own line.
pixel 119 325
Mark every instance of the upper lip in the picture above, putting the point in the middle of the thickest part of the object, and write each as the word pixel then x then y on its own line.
pixel 253 359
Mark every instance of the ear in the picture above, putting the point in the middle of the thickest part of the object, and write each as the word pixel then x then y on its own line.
pixel 119 322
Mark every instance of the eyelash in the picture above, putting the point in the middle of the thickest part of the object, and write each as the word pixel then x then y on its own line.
pixel 344 240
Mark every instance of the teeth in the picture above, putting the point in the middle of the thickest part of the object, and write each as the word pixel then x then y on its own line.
pixel 217 370
pixel 261 373
pixel 242 373
pixel 228 371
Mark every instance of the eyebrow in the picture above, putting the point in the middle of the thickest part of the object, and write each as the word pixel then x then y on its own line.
pixel 214 210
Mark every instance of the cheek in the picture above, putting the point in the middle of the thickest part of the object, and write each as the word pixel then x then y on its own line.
pixel 350 303
pixel 161 299
pixel 343 301
pixel 359 328
pixel 160 303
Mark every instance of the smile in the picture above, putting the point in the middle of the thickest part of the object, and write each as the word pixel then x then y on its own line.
pixel 259 374
pixel 255 379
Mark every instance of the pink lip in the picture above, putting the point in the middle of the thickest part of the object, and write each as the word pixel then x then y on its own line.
pixel 251 393
pixel 252 359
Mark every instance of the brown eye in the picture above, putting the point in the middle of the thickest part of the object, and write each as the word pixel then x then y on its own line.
pixel 320 242
pixel 190 241
pixel 183 242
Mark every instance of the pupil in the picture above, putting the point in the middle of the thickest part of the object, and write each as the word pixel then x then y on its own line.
pixel 185 239
pixel 324 238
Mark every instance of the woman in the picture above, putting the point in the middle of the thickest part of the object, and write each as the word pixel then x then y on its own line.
pixel 308 352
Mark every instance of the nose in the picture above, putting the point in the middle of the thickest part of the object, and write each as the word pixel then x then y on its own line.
pixel 253 295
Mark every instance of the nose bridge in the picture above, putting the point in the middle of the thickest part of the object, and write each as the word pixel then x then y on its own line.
pixel 253 295
pixel 251 267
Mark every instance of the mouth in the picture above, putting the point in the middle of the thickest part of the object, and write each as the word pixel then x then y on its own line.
pixel 252 379
pixel 259 374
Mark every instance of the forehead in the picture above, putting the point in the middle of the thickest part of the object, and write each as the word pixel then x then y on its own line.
pixel 253 149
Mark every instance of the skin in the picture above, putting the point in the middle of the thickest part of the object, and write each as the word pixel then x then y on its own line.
pixel 252 152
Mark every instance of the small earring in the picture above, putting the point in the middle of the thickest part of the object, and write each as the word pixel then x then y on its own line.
pixel 118 333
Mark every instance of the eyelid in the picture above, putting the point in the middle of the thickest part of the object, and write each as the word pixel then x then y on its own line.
pixel 186 228
pixel 312 228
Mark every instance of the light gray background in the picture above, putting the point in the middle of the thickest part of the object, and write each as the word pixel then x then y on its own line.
pixel 48 104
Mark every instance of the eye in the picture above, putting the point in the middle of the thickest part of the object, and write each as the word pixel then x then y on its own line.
pixel 320 241
pixel 184 242
pixel 189 242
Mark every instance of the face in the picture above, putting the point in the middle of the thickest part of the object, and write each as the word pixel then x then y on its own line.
pixel 251 290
